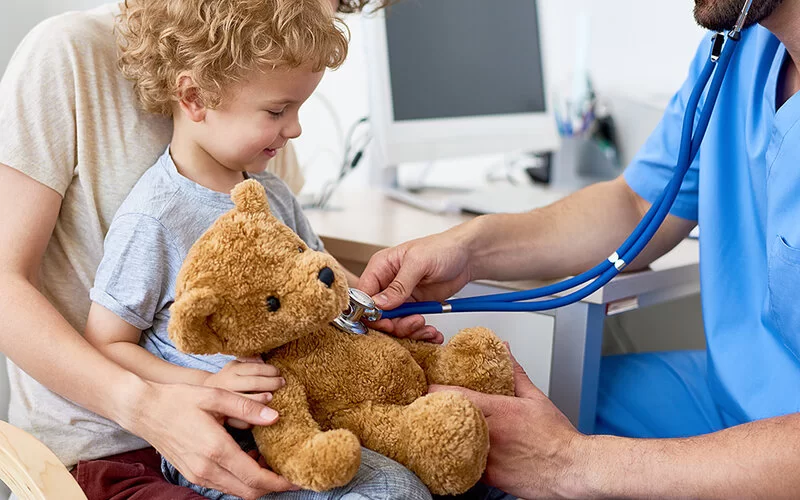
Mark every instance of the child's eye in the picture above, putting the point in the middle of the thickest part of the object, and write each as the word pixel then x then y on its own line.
pixel 276 114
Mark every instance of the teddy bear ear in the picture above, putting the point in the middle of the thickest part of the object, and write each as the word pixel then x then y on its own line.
pixel 188 325
pixel 249 196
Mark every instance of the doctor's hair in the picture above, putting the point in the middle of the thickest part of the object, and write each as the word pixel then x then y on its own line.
pixel 217 42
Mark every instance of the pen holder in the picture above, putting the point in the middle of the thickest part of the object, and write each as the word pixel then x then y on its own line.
pixel 581 161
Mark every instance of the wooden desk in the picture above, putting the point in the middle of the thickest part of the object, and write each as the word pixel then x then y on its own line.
pixel 360 223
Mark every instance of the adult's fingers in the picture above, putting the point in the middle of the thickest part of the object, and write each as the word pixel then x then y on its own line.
pixel 390 277
pixel 239 474
pixel 246 470
pixel 489 404
pixel 523 386
pixel 232 405
pixel 428 333
pixel 379 272
pixel 403 327
pixel 238 424
pixel 401 287
pixel 263 398
pixel 412 327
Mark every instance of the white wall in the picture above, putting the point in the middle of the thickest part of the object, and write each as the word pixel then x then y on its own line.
pixel 639 50
pixel 635 66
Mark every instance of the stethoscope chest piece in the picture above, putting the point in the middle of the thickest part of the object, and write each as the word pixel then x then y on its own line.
pixel 361 306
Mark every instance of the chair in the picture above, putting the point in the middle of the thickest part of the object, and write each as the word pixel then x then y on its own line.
pixel 27 466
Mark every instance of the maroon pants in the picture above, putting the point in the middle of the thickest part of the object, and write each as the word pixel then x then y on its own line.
pixel 134 475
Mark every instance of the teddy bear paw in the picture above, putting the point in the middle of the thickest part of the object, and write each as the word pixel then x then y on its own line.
pixel 447 442
pixel 328 460
pixel 476 358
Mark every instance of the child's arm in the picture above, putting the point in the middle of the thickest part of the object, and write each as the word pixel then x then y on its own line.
pixel 352 279
pixel 119 341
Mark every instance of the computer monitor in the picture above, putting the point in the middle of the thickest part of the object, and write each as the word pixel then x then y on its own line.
pixel 456 78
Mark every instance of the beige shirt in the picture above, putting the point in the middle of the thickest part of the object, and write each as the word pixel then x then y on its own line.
pixel 69 120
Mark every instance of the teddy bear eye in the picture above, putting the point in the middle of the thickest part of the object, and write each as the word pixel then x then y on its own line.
pixel 273 304
pixel 301 249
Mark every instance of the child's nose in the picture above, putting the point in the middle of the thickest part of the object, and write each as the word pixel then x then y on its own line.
pixel 293 130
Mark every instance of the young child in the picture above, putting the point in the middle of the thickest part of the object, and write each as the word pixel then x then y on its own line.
pixel 233 75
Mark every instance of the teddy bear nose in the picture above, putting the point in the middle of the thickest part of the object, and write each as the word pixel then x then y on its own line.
pixel 326 276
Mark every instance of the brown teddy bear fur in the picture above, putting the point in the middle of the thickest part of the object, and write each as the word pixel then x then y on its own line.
pixel 342 390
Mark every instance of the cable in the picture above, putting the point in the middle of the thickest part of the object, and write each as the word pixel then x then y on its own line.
pixel 350 161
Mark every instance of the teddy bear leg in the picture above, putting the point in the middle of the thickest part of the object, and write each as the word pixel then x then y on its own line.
pixel 441 437
pixel 296 448
pixel 474 358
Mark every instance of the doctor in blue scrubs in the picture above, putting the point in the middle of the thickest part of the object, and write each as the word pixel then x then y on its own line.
pixel 718 423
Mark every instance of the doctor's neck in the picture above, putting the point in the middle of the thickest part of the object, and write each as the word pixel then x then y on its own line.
pixel 784 23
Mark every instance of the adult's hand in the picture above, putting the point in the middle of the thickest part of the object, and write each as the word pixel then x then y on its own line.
pixel 430 268
pixel 184 423
pixel 533 445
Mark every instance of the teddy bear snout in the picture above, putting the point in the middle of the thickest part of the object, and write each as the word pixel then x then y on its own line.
pixel 326 276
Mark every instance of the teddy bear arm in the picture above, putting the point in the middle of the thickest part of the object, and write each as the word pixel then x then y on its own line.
pixel 474 358
pixel 425 354
pixel 299 450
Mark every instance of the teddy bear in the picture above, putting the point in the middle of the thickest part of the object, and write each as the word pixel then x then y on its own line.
pixel 250 286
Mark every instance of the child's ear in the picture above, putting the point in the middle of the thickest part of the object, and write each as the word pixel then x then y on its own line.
pixel 189 98
pixel 188 325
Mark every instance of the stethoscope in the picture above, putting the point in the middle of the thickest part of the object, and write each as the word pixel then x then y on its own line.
pixel 363 308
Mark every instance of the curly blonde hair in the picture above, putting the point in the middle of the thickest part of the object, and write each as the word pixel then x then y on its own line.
pixel 351 6
pixel 219 41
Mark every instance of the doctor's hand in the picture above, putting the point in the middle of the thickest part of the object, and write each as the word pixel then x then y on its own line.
pixel 204 452
pixel 430 268
pixel 534 448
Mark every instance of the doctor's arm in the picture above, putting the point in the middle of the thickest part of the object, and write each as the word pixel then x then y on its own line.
pixel 536 452
pixel 42 343
pixel 757 459
pixel 562 239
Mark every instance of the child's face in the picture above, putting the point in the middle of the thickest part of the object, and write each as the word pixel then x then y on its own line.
pixel 257 117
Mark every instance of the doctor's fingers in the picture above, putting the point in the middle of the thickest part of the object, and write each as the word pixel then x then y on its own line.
pixel 382 271
pixel 415 328
pixel 523 385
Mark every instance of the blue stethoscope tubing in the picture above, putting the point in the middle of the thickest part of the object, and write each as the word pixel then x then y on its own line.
pixel 639 238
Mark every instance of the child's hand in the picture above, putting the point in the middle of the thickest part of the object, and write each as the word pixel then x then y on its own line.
pixel 248 376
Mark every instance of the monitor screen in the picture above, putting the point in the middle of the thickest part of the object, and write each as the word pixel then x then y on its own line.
pixel 463 58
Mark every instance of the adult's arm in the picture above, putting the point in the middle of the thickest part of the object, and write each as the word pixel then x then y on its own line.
pixel 42 343
pixel 562 239
pixel 536 452
pixel 569 236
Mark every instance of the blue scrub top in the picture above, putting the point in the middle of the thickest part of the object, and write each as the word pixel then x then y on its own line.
pixel 744 190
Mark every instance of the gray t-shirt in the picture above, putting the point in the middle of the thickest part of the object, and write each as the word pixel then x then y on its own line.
pixel 148 240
